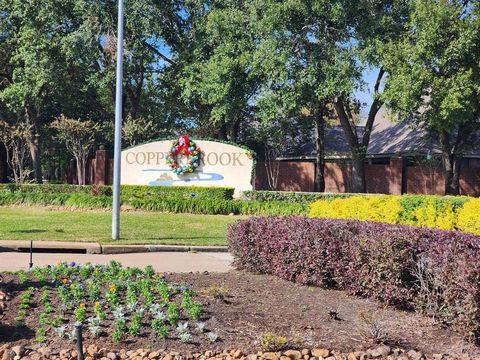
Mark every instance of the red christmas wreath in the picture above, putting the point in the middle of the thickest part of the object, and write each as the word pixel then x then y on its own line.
pixel 186 147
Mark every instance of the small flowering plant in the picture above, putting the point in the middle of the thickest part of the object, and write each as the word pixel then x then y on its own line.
pixel 81 313
pixel 98 310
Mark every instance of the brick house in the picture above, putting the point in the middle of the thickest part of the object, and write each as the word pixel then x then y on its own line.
pixel 400 160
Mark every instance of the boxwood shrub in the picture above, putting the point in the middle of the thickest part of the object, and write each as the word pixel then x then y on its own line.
pixel 176 192
pixel 436 272
pixel 290 196
pixel 127 191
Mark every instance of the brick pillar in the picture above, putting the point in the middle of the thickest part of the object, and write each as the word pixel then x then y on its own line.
pixel 396 175
pixel 101 167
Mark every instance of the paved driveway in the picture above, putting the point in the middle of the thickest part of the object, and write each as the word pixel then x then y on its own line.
pixel 161 261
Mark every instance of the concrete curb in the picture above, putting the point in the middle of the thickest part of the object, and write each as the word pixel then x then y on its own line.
pixel 126 249
pixel 96 248
pixel 54 246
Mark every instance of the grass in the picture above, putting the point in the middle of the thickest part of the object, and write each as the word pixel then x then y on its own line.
pixel 33 223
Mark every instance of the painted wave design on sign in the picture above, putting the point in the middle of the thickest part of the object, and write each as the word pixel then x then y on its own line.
pixel 166 180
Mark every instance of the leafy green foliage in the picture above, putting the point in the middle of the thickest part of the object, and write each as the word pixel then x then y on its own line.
pixel 177 200
pixel 289 196
pixel 434 75
pixel 128 191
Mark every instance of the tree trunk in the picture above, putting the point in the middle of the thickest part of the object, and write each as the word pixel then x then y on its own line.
pixel 222 133
pixel 359 148
pixel 358 170
pixel 3 165
pixel 35 154
pixel 81 171
pixel 451 160
pixel 234 130
pixel 34 144
pixel 451 171
pixel 320 151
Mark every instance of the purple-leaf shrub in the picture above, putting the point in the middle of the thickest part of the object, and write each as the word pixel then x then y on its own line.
pixel 433 271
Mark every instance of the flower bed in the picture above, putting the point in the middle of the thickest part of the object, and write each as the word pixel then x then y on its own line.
pixel 432 271
pixel 257 315
pixel 119 303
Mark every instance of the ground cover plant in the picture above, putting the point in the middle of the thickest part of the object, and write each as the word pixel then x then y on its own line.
pixel 441 212
pixel 110 301
pixel 138 227
pixel 432 271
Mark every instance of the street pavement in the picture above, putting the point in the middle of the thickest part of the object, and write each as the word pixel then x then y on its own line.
pixel 161 261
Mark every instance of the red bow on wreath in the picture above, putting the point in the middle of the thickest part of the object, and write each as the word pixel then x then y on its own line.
pixel 182 147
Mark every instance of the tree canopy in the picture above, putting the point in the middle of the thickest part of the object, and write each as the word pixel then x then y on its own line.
pixel 231 69
pixel 434 76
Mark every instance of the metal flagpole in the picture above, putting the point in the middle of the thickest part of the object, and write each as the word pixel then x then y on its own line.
pixel 118 128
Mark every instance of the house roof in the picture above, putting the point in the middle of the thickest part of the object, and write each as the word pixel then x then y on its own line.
pixel 388 139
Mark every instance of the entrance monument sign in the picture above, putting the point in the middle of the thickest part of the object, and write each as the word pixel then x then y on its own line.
pixel 220 164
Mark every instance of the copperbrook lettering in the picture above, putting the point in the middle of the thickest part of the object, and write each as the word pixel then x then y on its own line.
pixel 158 158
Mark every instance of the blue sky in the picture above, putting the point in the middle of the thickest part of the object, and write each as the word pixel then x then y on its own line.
pixel 366 95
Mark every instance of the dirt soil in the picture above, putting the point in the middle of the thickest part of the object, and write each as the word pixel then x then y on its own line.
pixel 255 304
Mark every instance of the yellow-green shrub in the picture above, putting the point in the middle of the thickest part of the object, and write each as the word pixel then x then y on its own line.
pixel 469 217
pixel 436 215
pixel 368 208
pixel 447 212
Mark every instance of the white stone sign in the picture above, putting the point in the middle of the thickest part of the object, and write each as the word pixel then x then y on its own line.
pixel 221 165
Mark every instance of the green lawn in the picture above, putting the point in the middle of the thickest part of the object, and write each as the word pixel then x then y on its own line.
pixel 25 223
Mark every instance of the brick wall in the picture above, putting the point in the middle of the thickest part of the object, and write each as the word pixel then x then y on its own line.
pixel 423 180
pixel 379 177
pixel 338 177
pixel 292 176
pixel 470 182
pixel 392 178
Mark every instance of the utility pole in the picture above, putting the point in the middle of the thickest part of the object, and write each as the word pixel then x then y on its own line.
pixel 118 128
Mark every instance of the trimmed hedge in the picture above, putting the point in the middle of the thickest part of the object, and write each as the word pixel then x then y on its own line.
pixel 32 198
pixel 290 196
pixel 174 192
pixel 195 205
pixel 214 207
pixel 442 212
pixel 435 272
pixel 127 191
pixel 45 188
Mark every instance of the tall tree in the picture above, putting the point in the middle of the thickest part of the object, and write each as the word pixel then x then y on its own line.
pixel 217 77
pixel 79 137
pixel 297 44
pixel 434 77
pixel 374 23
pixel 34 64
pixel 59 57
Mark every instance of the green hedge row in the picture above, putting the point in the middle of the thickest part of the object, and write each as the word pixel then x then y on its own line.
pixel 175 192
pixel 175 205
pixel 128 191
pixel 290 196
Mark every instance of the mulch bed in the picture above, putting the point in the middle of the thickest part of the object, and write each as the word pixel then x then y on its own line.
pixel 240 307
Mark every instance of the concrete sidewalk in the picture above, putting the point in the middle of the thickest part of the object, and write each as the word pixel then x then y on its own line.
pixel 161 261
